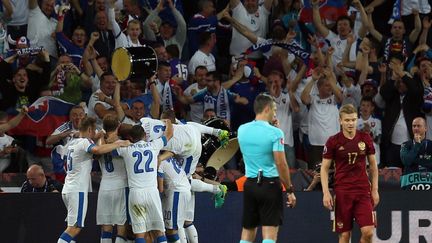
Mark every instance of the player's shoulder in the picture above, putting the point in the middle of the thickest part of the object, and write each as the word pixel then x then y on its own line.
pixel 335 138
pixel 363 135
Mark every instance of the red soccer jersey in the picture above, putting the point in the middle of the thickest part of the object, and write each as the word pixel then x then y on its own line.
pixel 349 156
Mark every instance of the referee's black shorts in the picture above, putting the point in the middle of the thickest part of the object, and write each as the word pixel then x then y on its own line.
pixel 262 204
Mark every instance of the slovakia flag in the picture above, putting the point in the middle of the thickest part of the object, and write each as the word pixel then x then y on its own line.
pixel 44 116
pixel 329 10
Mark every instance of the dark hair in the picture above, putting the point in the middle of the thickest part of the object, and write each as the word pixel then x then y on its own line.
pixel 215 75
pixel 277 73
pixel 76 107
pixel 209 109
pixel 105 74
pixel 202 4
pixel 345 17
pixel 173 50
pixel 200 67
pixel 204 37
pixel 367 99
pixel 80 27
pixel 136 133
pixel 110 122
pixel 17 70
pixel 261 102
pixel 169 114
pixel 157 45
pixel 163 64
pixel 86 123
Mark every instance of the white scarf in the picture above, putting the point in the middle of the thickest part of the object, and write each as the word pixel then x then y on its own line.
pixel 167 102
pixel 131 44
pixel 222 108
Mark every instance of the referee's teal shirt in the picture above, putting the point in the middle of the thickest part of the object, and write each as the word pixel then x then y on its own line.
pixel 258 140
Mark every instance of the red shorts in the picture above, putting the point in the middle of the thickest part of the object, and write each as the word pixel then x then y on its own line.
pixel 352 206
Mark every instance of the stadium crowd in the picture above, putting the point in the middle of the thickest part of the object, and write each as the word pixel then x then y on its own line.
pixel 376 57
pixel 214 58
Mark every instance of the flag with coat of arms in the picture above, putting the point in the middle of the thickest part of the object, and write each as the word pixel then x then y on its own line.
pixel 43 117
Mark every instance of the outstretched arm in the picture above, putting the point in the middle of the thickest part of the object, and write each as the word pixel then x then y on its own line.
pixel 322 29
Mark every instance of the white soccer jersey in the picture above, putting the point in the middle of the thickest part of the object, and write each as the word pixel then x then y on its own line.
pixel 141 162
pixel 186 140
pixel 175 178
pixel 113 172
pixel 78 165
pixel 153 128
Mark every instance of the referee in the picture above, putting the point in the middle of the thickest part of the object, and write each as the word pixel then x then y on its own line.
pixel 262 147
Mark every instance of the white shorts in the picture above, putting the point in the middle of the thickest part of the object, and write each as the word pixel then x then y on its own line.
pixel 190 208
pixel 174 208
pixel 76 205
pixel 145 209
pixel 189 163
pixel 111 207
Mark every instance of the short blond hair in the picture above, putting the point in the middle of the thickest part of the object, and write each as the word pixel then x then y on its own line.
pixel 347 109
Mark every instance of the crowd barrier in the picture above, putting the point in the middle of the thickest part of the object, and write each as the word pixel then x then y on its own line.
pixel 403 216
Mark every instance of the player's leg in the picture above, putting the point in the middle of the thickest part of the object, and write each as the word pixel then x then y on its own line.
pixel 103 215
pixel 269 234
pixel 345 237
pixel 121 234
pixel 137 210
pixel 191 232
pixel 154 218
pixel 365 218
pixel 366 234
pixel 182 235
pixel 76 204
pixel 344 215
pixel 170 201
pixel 250 220
pixel 269 196
pixel 160 236
pixel 248 235
pixel 214 187
pixel 189 228
pixel 172 236
pixel 120 216
pixel 106 234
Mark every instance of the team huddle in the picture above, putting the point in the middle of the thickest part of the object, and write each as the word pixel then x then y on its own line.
pixel 146 181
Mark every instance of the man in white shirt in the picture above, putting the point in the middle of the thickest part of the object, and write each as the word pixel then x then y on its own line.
pixel 255 18
pixel 203 56
pixel 78 182
pixel 163 85
pixel 338 41
pixel 286 104
pixel 141 159
pixel 67 130
pixel 41 25
pixel 323 112
pixel 197 108
pixel 99 108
